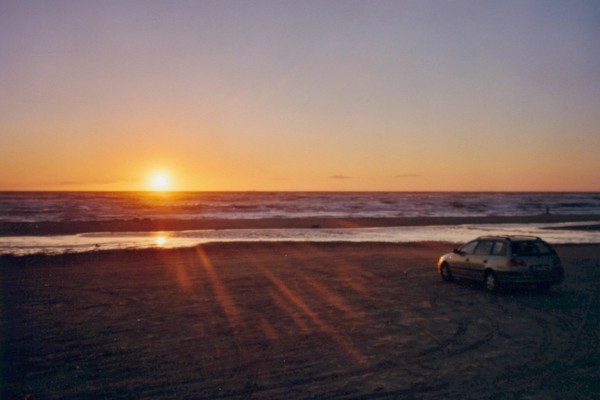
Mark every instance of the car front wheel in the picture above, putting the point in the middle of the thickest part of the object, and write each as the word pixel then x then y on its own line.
pixel 446 273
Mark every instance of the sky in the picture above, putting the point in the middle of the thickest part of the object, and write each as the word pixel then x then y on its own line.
pixel 300 95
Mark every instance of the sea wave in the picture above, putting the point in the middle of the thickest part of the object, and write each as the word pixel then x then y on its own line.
pixel 102 206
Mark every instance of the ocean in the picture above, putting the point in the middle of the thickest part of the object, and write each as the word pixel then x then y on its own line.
pixel 93 206
pixel 32 207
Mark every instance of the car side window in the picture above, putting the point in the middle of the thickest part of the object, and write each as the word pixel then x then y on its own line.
pixel 485 247
pixel 469 248
pixel 499 249
pixel 524 249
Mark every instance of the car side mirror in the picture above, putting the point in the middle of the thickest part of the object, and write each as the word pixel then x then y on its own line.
pixel 457 251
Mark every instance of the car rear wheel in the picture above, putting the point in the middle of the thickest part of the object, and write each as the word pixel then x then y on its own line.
pixel 491 282
pixel 446 273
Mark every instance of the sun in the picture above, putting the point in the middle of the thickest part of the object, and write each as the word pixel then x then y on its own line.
pixel 160 182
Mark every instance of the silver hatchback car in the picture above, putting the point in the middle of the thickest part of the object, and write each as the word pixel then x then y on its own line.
pixel 504 260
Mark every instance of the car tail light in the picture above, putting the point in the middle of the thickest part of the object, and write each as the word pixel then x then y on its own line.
pixel 516 262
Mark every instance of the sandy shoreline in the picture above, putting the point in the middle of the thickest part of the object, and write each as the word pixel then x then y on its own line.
pixel 285 320
pixel 147 225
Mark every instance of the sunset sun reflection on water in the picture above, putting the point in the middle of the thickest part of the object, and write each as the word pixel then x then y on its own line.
pixel 161 240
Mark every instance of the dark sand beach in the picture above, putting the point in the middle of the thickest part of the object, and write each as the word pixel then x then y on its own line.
pixel 292 320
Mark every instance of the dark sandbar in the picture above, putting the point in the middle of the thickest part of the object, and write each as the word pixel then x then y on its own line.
pixel 147 225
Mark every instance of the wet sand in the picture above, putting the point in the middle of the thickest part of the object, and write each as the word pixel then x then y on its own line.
pixel 148 225
pixel 292 320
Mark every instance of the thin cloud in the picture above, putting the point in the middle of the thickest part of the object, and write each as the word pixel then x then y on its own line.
pixel 105 181
pixel 114 181
pixel 71 183
pixel 407 176
pixel 340 177
pixel 97 182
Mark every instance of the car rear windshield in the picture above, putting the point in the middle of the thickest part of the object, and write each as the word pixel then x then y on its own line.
pixel 531 248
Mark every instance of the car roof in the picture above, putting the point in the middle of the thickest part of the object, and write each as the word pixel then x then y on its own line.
pixel 513 238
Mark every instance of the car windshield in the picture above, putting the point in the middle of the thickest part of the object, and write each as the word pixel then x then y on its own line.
pixel 469 248
pixel 531 248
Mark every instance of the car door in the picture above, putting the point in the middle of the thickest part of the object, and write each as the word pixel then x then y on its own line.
pixel 460 261
pixel 478 261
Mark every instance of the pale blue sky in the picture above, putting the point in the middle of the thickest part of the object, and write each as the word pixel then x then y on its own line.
pixel 276 95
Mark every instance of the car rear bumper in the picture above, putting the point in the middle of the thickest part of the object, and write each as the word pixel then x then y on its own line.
pixel 551 276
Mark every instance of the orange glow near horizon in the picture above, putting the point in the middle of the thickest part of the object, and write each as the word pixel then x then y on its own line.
pixel 88 103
